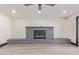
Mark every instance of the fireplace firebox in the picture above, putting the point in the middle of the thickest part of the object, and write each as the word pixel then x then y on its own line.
pixel 39 34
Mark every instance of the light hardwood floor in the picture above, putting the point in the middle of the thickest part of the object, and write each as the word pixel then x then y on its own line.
pixel 39 49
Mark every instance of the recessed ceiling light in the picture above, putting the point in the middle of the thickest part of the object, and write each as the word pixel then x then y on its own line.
pixel 64 11
pixel 13 11
pixel 39 11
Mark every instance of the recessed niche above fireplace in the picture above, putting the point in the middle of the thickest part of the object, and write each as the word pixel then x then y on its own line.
pixel 39 33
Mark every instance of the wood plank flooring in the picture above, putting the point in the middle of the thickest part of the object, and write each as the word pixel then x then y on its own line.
pixel 39 49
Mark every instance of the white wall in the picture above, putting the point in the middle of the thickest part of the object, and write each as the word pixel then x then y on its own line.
pixel 71 27
pixel 19 26
pixel 5 28
pixel 16 28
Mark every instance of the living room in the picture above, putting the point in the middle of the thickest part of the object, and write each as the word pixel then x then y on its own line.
pixel 38 23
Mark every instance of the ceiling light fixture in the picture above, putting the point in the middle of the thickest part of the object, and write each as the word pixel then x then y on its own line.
pixel 39 11
pixel 64 11
pixel 13 11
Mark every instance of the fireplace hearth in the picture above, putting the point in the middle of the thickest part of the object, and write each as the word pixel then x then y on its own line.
pixel 39 34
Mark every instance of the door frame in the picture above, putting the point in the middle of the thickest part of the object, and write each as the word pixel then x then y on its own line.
pixel 77 19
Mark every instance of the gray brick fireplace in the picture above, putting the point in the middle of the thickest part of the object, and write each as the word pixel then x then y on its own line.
pixel 39 33
pixel 35 35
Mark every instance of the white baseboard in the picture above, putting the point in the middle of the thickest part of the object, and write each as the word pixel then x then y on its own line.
pixel 3 42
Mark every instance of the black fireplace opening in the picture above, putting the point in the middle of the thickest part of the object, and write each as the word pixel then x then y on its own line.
pixel 39 34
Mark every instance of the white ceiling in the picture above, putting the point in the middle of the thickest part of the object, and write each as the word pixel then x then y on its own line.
pixel 32 11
